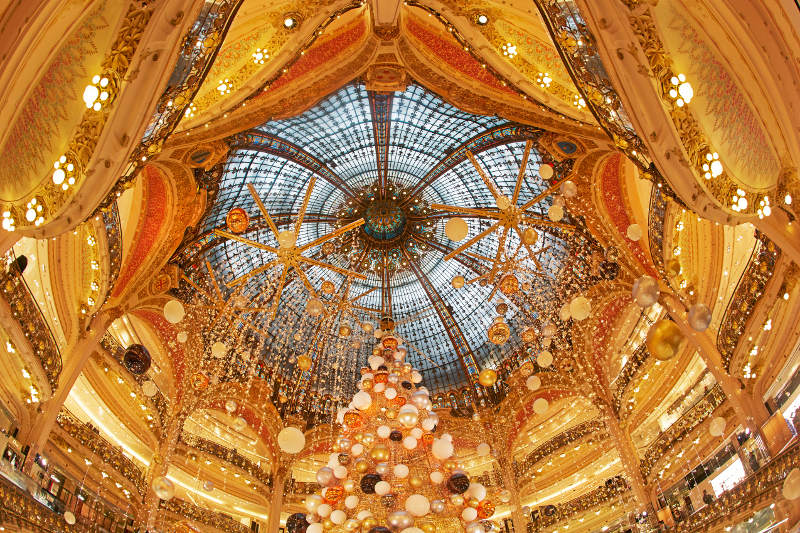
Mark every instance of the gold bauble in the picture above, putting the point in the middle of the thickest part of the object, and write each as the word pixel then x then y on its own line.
pixel 664 339
pixel 529 236
pixel 376 350
pixel 499 332
pixel 366 384
pixel 349 485
pixel 327 287
pixel 327 523
pixel 361 466
pixel 487 377
pixel 458 282
pixel 457 500
pixel 379 453
pixel 427 527
pixel 304 362
pixel 391 414
pixel 368 439
pixel 473 502
pixel 351 525
pixel 450 464
pixel 673 268
pixel 368 523
pixel 509 284
pixel 415 482
pixel 528 334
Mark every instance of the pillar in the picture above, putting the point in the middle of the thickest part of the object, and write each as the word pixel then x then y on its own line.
pixel 159 466
pixel 517 518
pixel 7 240
pixel 282 473
pixel 87 343
pixel 750 412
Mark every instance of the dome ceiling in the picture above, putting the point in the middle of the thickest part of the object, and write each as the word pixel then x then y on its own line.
pixel 386 158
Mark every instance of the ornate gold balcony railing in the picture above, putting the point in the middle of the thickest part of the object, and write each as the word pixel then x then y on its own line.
pixel 111 455
pixel 758 490
pixel 31 320
pixel 550 447
pixel 228 455
pixel 655 227
pixel 628 372
pixel 748 292
pixel 210 518
pixel 682 427
pixel 550 515
pixel 113 240
pixel 18 509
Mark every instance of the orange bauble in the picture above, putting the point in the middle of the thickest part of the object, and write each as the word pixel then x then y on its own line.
pixel 237 220
pixel 509 284
pixel 353 420
pixel 485 509
pixel 390 343
pixel 334 494
pixel 382 377
pixel 327 287
pixel 398 401
pixel 199 381
pixel 427 439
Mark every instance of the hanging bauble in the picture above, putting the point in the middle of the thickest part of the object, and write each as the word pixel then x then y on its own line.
pixel 544 359
pixel 468 514
pixel 296 523
pixel 549 330
pixel 580 308
pixel 230 405
pixel 664 339
pixel 458 483
pixel 699 317
pixel 324 510
pixel 368 483
pixel 501 308
pixel 634 232
pixel 533 383
pixel 239 423
pixel 343 459
pixel 149 389
pixel 367 326
pixel 379 453
pixel 456 229
pixel 503 202
pixel 529 236
pixel 546 171
pixel 504 496
pixel 717 426
pixel 421 399
pixel 526 369
pixel 382 488
pixel 483 449
pixel 509 284
pixel 325 476
pixel 399 520
pixel 182 337
pixel 498 332
pixel 476 491
pixel 312 502
pixel 442 449
pixel 338 517
pixel 540 406
pixel 528 335
pixel 287 238
pixel 304 362
pixel 333 494
pixel 327 287
pixel 314 307
pixel 458 281
pixel 237 220
pixel 645 291
pixel 291 440
pixel 136 359
pixel 163 488
pixel 555 213
pixel 673 268
pixel 387 500
pixel 218 350
pixel 408 415
pixel 609 270
pixel 438 506
pixel 362 400
pixel 396 435
pixel 174 311
pixel 418 505
pixel 564 312
pixel 345 330
pixel 69 518
pixel 791 485
pixel 387 323
pixel 487 377
pixel 199 381
pixel 208 485
pixel 389 342
pixel 353 419
pixel 569 189
pixel 430 421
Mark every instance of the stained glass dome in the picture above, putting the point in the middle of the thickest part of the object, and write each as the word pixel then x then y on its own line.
pixel 386 158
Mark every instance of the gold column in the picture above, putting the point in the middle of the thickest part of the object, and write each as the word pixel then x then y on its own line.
pixel 159 466
pixel 282 473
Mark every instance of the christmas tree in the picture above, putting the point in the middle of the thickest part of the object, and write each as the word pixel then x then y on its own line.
pixel 390 469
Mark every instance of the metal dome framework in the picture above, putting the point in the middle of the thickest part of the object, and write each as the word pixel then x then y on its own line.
pixel 410 149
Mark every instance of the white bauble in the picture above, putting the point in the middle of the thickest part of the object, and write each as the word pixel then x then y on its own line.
pixel 351 501
pixel 382 487
pixel 416 433
pixel 357 449
pixel 717 426
pixel 315 528
pixel 218 350
pixel 699 317
pixel 418 505
pixel 400 471
pixel 469 514
pixel 69 518
pixel 634 232
pixel 149 389
pixel 477 491
pixel 390 393
pixel 442 448
pixel 384 432
pixel 409 442
pixel 483 450
pixel 182 337
pixel 291 440
pixel 540 406
pixel 416 377
pixel 324 510
pixel 437 477
pixel 338 516
pixel 533 382
pixel 340 471
pixel 174 311
pixel 544 359
pixel 569 189
pixel 362 400
pixel 312 502
pixel 430 421
pixel 580 308
pixel 645 291
pixel 555 213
